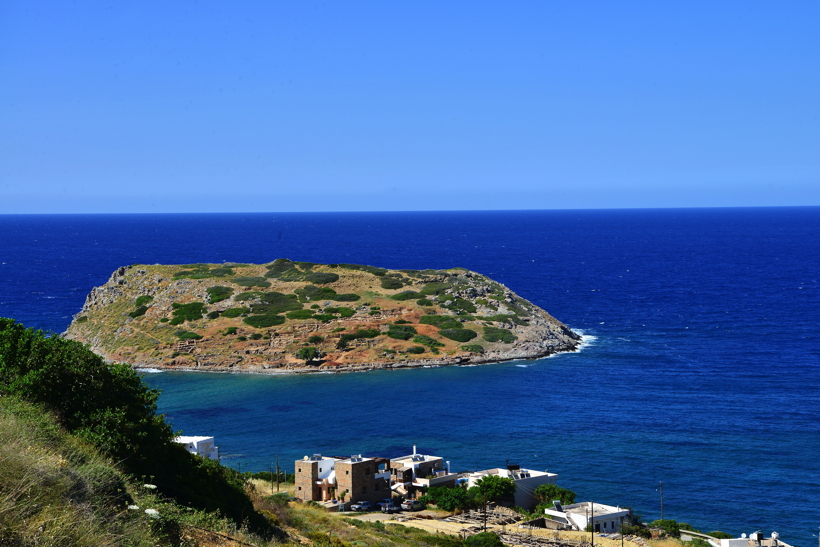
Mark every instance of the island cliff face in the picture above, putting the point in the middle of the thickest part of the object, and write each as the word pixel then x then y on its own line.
pixel 302 317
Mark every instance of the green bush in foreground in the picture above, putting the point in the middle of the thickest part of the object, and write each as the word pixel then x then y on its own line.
pixel 111 407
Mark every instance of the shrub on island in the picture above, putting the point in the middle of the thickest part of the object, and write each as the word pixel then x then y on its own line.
pixel 143 300
pixel 342 311
pixel 264 321
pixel 405 295
pixel 428 341
pixel 218 293
pixel 459 335
pixel 187 312
pixel 461 305
pixel 441 321
pixel 424 302
pixel 321 278
pixel 203 271
pixel 251 282
pixel 276 302
pixel 495 334
pixel 434 287
pixel 300 314
pixel 247 295
pixel 235 312
pixel 312 292
pixel 391 282
pixel 139 311
pixel 370 269
pixel 416 349
pixel 187 335
pixel 473 348
pixel 401 332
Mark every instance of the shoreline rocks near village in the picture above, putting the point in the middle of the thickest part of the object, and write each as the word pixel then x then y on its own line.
pixel 299 317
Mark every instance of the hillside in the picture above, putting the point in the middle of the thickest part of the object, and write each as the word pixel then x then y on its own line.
pixel 270 318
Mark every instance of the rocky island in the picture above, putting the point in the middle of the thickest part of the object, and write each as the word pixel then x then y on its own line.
pixel 298 317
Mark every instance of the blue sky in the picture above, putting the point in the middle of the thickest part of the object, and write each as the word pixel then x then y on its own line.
pixel 351 106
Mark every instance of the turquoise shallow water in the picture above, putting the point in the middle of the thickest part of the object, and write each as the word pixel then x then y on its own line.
pixel 702 370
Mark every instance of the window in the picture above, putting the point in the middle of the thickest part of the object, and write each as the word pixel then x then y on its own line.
pixel 347 472
pixel 299 488
pixel 298 469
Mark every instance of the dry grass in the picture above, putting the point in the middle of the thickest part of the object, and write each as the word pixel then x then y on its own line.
pixel 55 491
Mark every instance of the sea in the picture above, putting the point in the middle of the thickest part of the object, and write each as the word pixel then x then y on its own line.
pixel 695 395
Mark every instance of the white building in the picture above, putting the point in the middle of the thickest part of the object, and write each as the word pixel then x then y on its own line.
pixel 526 481
pixel 420 471
pixel 605 518
pixel 202 446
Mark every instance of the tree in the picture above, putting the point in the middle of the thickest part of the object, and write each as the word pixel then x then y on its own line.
pixel 309 353
pixel 448 499
pixel 495 488
pixel 111 407
pixel 550 492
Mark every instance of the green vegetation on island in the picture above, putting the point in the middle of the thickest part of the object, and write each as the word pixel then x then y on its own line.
pixel 166 316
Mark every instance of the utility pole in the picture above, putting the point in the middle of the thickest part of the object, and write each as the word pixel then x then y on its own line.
pixel 592 523
pixel 277 473
pixel 661 491
pixel 271 478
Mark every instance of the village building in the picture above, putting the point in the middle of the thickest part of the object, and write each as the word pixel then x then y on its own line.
pixel 202 446
pixel 352 480
pixel 526 481
pixel 415 473
pixel 604 518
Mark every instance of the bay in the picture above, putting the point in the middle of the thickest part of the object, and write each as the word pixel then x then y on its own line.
pixel 702 367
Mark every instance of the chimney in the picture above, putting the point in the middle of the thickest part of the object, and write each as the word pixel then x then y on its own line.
pixel 414 449
pixel 448 467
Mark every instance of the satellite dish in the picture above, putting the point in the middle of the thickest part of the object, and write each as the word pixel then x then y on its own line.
pixel 743 536
pixel 306 459
pixel 775 535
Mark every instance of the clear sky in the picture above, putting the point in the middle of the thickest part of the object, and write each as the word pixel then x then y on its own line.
pixel 351 106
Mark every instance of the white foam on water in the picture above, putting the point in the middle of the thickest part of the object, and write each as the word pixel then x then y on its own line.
pixel 149 370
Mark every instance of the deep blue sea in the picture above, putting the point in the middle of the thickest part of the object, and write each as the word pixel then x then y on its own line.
pixel 702 368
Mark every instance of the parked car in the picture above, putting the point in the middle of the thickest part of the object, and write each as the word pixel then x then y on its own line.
pixel 390 508
pixel 361 506
pixel 411 505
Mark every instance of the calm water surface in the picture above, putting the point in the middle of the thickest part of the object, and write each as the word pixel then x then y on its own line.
pixel 702 368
